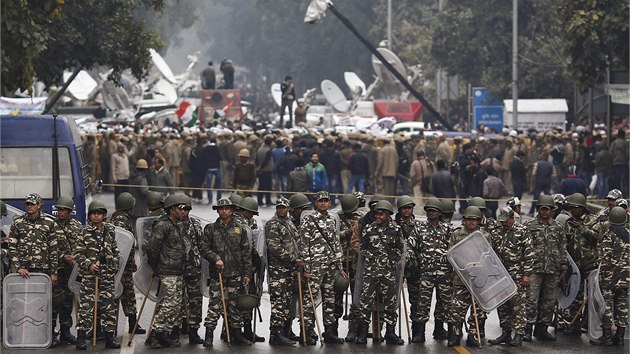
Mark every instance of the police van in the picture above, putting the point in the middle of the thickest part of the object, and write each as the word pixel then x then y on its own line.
pixel 44 155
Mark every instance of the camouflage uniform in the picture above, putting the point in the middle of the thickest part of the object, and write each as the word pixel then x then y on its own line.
pixel 350 248
pixel 382 248
pixel 488 224
pixel 582 246
pixel 545 259
pixel 89 247
pixel 426 254
pixel 167 253
pixel 510 244
pixel 282 251
pixel 67 233
pixel 461 299
pixel 128 298
pixel 230 244
pixel 250 225
pixel 614 257
pixel 193 299
pixel 412 265
pixel 323 258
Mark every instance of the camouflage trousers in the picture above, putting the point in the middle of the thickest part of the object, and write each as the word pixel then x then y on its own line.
pixel 192 298
pixel 167 311
pixel 128 297
pixel 616 301
pixel 512 313
pixel 280 287
pixel 425 285
pixel 413 287
pixel 233 286
pixel 461 302
pixel 545 287
pixel 322 279
pixel 379 287
pixel 63 298
pixel 107 308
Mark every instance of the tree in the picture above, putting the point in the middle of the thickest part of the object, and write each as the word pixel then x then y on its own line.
pixel 41 39
pixel 596 38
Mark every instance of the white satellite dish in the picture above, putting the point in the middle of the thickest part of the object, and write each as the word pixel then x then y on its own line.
pixel 276 93
pixel 391 83
pixel 165 88
pixel 334 96
pixel 82 85
pixel 355 83
pixel 162 66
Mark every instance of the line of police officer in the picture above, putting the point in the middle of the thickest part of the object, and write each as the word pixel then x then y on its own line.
pixel 365 247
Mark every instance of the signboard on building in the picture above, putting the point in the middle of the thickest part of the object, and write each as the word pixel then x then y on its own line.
pixel 487 110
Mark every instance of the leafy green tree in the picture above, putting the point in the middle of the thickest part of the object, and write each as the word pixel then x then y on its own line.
pixel 41 39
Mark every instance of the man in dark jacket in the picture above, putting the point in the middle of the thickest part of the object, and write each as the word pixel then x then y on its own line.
pixel 329 157
pixel 358 173
pixel 442 182
pixel 573 184
pixel 518 170
pixel 299 180
pixel 543 170
pixel 210 159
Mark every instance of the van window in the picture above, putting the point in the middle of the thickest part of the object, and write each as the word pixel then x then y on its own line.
pixel 25 170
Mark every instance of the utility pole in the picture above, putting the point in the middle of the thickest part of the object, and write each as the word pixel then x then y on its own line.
pixel 514 64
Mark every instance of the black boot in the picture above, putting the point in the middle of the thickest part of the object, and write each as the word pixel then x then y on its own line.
pixel 152 342
pixel 528 333
pixel 278 338
pixel 249 334
pixel 439 332
pixel 619 336
pixel 505 337
pixel 110 341
pixel 310 339
pixel 184 327
pixel 54 342
pixel 391 337
pixel 572 330
pixel 454 334
pixel 542 334
pixel 330 337
pixel 362 330
pixel 517 341
pixel 352 331
pixel 288 331
pixel 65 337
pixel 417 332
pixel 605 340
pixel 471 341
pixel 132 322
pixel 166 341
pixel 193 336
pixel 238 338
pixel 175 334
pixel 209 338
pixel 81 345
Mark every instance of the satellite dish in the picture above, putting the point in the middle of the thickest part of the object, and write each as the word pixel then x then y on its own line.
pixel 165 88
pixel 391 83
pixel 355 83
pixel 276 93
pixel 82 85
pixel 334 96
pixel 114 97
pixel 162 66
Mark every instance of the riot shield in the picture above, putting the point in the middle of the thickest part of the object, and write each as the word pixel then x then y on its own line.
pixel 73 283
pixel 358 282
pixel 6 221
pixel 568 290
pixel 596 305
pixel 142 277
pixel 260 244
pixel 28 313
pixel 205 266
pixel 125 242
pixel 482 272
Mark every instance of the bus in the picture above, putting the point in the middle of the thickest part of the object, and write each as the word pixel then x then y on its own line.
pixel 44 155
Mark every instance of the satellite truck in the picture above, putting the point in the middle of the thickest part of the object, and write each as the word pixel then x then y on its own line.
pixel 43 154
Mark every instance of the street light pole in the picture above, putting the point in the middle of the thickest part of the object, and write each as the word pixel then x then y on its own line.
pixel 514 64
pixel 389 24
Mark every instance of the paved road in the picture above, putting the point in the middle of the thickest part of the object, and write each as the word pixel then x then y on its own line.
pixel 562 345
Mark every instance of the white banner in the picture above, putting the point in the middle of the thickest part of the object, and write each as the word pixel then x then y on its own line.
pixel 26 106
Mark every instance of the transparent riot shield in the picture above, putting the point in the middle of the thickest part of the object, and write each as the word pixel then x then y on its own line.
pixel 205 266
pixel 6 221
pixel 28 311
pixel 125 242
pixel 596 305
pixel 143 276
pixel 358 282
pixel 568 290
pixel 259 242
pixel 482 272
pixel 73 281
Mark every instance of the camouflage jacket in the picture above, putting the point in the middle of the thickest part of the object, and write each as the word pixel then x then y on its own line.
pixel 95 243
pixel 282 248
pixel 230 244
pixel 192 231
pixel 250 225
pixel 582 241
pixel 320 242
pixel 348 234
pixel 166 249
pixel 510 244
pixel 545 252
pixel 614 258
pixel 382 247
pixel 33 243
pixel 68 231
pixel 456 237
pixel 488 224
pixel 125 221
pixel 426 249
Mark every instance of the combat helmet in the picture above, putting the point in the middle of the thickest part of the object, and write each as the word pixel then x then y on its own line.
pixel 223 202
pixel 64 202
pixel 349 203
pixel 433 203
pixel 299 200
pixel 249 203
pixel 448 207
pixel 384 205
pixel 175 200
pixel 562 218
pixel 617 216
pixel 97 205
pixel 246 302
pixel 125 201
pixel 3 209
pixel 404 201
pixel 473 212
pixel 614 194
pixel 576 200
pixel 341 283
pixel 235 198
pixel 545 201
pixel 155 200
pixel 477 202
pixel 375 199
